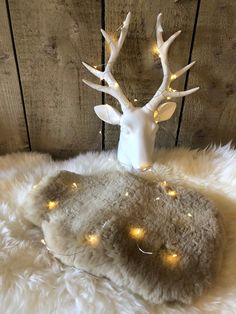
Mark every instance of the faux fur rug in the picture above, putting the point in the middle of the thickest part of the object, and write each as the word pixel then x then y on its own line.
pixel 32 281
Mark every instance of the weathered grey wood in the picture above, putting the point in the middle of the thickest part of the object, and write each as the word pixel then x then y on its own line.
pixel 210 116
pixel 13 135
pixel 138 70
pixel 52 39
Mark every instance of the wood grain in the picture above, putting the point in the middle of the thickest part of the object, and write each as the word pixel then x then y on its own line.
pixel 52 39
pixel 13 134
pixel 210 117
pixel 138 70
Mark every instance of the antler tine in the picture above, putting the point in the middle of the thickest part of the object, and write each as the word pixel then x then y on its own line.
pixel 164 90
pixel 113 87
pixel 182 71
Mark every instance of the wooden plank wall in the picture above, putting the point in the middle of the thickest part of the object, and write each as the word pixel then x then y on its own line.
pixel 210 115
pixel 13 129
pixel 44 105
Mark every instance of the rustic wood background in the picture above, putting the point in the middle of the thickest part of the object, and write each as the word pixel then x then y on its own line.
pixel 45 107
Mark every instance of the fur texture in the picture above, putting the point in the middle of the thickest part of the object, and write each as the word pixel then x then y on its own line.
pixel 176 253
pixel 33 281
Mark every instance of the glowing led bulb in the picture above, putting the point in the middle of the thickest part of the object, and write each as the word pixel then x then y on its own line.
pixel 157 198
pixel 168 98
pixel 136 233
pixel 35 186
pixel 173 77
pixel 171 258
pixel 155 116
pixel 92 239
pixel 95 66
pixel 155 50
pixel 116 85
pixel 190 215
pixel 74 185
pixel 43 241
pixel 100 132
pixel 171 193
pixel 52 205
pixel 135 99
pixel 126 193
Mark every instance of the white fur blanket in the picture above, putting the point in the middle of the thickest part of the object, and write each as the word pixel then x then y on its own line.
pixel 32 281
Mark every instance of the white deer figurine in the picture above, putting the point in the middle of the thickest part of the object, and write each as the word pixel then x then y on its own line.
pixel 138 125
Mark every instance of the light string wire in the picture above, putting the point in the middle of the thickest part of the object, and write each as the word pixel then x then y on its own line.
pixel 155 53
pixel 163 184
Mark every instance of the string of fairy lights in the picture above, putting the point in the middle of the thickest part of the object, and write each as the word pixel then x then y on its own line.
pixel 137 233
pixel 156 54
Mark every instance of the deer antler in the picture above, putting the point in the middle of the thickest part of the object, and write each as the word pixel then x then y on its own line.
pixel 164 90
pixel 113 87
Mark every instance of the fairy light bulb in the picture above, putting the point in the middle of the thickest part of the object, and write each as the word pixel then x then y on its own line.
pixel 163 183
pixel 168 190
pixel 145 167
pixel 95 66
pixel 171 193
pixel 155 50
pixel 173 77
pixel 168 98
pixel 136 233
pixel 190 215
pixel 155 116
pixel 135 99
pixel 127 193
pixel 52 205
pixel 116 85
pixel 43 241
pixel 171 259
pixel 45 244
pixel 74 185
pixel 92 239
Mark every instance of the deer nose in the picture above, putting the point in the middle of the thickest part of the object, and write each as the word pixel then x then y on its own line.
pixel 144 166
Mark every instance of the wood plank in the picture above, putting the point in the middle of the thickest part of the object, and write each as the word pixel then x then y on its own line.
pixel 52 39
pixel 138 70
pixel 13 134
pixel 209 117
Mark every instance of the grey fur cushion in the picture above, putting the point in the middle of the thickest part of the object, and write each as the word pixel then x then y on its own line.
pixel 159 241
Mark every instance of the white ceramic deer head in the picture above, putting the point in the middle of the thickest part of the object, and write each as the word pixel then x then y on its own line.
pixel 138 126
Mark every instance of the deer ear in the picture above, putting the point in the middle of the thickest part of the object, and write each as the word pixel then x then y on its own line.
pixel 108 114
pixel 165 111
